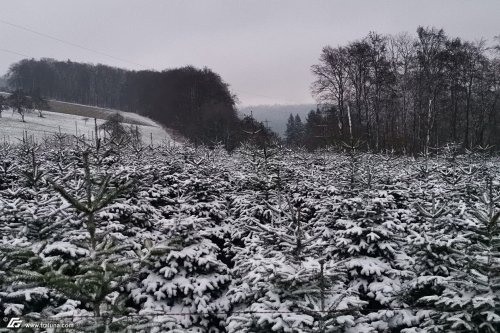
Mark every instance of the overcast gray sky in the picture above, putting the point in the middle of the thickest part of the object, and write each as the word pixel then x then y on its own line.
pixel 264 49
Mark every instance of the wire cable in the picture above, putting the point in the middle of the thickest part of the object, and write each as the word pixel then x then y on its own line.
pixel 14 52
pixel 70 43
pixel 60 40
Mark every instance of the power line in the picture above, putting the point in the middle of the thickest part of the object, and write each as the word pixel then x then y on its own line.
pixel 69 43
pixel 109 55
pixel 14 52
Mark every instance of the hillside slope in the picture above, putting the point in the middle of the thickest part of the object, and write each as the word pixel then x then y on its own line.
pixel 75 119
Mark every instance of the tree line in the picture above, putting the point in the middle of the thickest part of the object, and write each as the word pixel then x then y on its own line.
pixel 196 103
pixel 402 92
pixel 406 92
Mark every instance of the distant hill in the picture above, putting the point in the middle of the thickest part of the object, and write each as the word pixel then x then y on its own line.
pixel 277 115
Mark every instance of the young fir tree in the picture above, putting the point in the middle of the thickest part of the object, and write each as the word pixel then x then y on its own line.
pixel 366 236
pixel 436 242
pixel 88 264
pixel 470 301
pixel 283 281
pixel 265 165
pixel 31 217
pixel 8 165
pixel 184 289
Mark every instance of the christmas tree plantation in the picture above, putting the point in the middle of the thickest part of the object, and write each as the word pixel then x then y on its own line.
pixel 112 235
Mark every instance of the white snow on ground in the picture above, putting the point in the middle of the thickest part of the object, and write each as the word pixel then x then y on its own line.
pixel 11 127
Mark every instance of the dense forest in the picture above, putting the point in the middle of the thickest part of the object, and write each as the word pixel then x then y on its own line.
pixel 195 102
pixel 406 92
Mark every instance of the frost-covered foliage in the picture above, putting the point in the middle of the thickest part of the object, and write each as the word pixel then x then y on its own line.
pixel 117 237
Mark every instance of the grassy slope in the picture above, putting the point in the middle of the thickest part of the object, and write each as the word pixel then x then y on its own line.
pixel 86 111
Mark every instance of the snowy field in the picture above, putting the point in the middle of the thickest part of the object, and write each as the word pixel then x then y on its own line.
pixel 11 127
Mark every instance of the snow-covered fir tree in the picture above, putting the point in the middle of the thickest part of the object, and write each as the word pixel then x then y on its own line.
pixel 120 235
